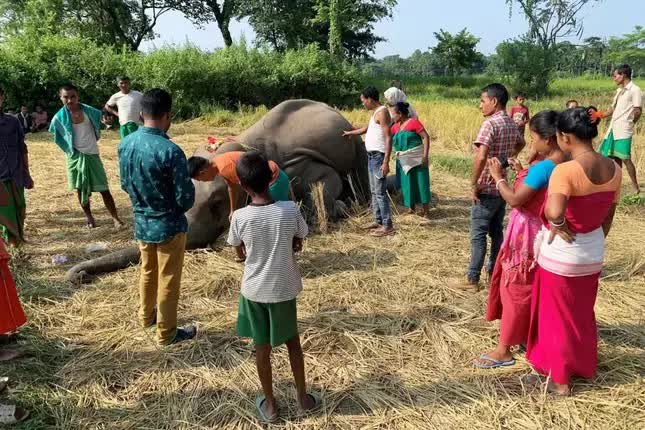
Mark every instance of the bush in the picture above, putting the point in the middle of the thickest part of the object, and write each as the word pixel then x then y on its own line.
pixel 32 71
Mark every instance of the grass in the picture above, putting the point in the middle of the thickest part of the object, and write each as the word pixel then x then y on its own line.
pixel 387 342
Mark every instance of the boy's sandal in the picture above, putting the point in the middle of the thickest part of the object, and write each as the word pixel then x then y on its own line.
pixel 259 400
pixel 10 414
pixel 4 382
pixel 317 404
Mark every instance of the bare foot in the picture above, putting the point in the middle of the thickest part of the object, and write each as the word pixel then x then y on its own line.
pixel 118 224
pixel 558 389
pixel 382 232
pixel 410 212
pixel 90 223
pixel 370 226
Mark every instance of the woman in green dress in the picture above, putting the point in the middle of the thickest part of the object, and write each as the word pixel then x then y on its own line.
pixel 411 142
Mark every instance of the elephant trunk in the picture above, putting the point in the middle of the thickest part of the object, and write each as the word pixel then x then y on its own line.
pixel 87 270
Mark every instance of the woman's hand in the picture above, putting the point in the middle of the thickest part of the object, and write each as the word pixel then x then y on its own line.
pixel 495 168
pixel 515 164
pixel 563 231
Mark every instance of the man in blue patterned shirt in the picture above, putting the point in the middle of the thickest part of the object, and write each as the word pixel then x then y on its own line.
pixel 154 173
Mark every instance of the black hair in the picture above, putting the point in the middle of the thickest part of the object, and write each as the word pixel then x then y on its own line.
pixel 155 103
pixel 196 165
pixel 571 101
pixel 497 91
pixel 625 70
pixel 520 94
pixel 254 171
pixel 122 78
pixel 370 93
pixel 68 87
pixel 578 122
pixel 403 108
pixel 545 123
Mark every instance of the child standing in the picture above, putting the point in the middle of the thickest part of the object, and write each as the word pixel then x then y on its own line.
pixel 266 235
pixel 520 112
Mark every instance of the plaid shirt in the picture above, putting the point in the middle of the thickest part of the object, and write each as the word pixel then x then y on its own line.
pixel 12 151
pixel 501 135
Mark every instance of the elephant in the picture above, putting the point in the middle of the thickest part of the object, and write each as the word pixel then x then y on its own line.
pixel 305 139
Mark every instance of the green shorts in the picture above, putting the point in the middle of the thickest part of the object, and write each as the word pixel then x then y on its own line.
pixel 279 190
pixel 616 148
pixel 267 323
pixel 128 128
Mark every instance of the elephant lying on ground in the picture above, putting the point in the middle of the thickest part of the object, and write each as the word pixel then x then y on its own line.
pixel 305 139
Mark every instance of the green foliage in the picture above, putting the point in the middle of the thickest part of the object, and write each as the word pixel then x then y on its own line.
pixel 458 166
pixel 633 200
pixel 629 49
pixel 457 52
pixel 525 64
pixel 228 78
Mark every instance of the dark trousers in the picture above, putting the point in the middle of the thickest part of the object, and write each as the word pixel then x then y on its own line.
pixel 486 219
pixel 378 187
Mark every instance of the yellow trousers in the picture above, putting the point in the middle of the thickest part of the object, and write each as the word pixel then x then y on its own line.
pixel 161 267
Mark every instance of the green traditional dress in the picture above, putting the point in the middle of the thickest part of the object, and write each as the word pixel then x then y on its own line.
pixel 415 178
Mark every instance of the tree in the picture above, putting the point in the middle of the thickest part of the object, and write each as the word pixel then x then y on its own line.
pixel 549 21
pixel 629 49
pixel 220 11
pixel 457 52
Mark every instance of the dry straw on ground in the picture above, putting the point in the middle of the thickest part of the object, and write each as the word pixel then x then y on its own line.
pixel 387 343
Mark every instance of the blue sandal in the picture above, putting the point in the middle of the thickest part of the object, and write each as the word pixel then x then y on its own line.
pixel 495 363
pixel 259 400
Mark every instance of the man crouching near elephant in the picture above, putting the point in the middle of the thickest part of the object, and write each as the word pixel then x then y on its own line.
pixel 154 173
pixel 224 165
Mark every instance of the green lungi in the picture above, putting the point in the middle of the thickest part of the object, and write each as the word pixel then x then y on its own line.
pixel 617 148
pixel 13 210
pixel 85 172
pixel 128 128
pixel 279 190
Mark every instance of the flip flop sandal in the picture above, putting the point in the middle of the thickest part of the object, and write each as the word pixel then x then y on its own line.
pixel 317 404
pixel 259 400
pixel 10 355
pixel 4 382
pixel 10 414
pixel 495 363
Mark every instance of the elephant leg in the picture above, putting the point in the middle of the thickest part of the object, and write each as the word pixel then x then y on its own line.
pixel 307 173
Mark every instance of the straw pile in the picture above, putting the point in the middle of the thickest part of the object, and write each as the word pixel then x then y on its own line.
pixel 387 343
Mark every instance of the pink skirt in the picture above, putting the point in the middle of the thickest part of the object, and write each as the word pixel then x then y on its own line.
pixel 563 337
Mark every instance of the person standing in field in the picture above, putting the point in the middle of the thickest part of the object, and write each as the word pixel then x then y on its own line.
pixel 77 129
pixel 394 95
pixel 266 235
pixel 580 207
pixel 625 112
pixel 509 298
pixel 412 145
pixel 378 142
pixel 499 138
pixel 154 173
pixel 14 177
pixel 128 107
pixel 224 164
pixel 520 112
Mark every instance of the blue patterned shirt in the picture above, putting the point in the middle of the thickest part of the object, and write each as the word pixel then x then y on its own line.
pixel 154 173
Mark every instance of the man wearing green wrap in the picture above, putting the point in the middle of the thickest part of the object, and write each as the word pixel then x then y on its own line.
pixel 76 129
pixel 126 104
pixel 625 112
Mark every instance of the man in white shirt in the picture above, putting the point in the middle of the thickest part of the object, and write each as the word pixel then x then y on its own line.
pixel 625 112
pixel 128 107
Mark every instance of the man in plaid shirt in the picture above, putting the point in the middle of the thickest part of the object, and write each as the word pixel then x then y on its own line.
pixel 498 138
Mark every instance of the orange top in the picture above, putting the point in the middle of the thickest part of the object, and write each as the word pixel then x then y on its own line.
pixel 571 180
pixel 226 163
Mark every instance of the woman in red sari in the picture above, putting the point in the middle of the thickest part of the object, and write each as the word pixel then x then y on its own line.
pixel 11 313
pixel 582 197
pixel 509 298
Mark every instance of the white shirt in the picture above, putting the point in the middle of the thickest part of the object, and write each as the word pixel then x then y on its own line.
pixel 271 274
pixel 128 105
pixel 374 138
pixel 622 119
pixel 84 137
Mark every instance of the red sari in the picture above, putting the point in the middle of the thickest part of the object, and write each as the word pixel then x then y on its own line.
pixel 509 297
pixel 11 314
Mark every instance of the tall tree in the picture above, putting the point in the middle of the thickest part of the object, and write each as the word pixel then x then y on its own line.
pixel 549 21
pixel 203 11
pixel 457 52
pixel 629 49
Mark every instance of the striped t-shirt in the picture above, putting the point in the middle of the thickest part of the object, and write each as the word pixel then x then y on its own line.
pixel 271 274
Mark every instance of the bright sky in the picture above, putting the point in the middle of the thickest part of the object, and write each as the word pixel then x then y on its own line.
pixel 415 21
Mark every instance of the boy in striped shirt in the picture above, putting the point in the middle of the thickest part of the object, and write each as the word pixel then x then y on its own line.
pixel 266 235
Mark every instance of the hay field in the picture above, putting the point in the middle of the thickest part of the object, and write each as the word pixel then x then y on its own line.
pixel 387 343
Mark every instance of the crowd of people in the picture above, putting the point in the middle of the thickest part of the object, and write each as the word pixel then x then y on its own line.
pixel 543 273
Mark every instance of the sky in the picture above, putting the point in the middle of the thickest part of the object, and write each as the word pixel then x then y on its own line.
pixel 414 22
